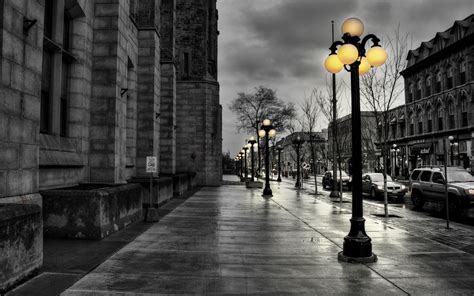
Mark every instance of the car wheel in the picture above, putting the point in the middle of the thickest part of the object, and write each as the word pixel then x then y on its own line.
pixel 416 200
pixel 373 194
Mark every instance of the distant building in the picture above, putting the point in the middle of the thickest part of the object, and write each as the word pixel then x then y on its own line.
pixel 370 154
pixel 439 85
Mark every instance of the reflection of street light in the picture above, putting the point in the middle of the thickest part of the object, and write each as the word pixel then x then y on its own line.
pixel 252 142
pixel 267 131
pixel 357 244
pixel 297 142
pixel 452 144
pixel 279 149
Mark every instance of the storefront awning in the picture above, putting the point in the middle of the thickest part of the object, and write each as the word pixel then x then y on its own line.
pixel 421 149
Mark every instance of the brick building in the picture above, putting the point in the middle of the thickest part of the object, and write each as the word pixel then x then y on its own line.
pixel 89 88
pixel 439 85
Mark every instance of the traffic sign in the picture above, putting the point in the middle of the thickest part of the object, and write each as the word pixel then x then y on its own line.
pixel 151 164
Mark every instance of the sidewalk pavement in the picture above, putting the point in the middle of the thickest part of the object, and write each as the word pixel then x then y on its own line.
pixel 231 240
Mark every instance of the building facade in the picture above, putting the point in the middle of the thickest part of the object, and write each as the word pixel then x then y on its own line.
pixel 90 88
pixel 439 85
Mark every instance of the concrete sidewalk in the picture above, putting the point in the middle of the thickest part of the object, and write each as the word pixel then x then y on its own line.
pixel 230 240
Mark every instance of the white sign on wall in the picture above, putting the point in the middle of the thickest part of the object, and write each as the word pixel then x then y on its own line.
pixel 151 164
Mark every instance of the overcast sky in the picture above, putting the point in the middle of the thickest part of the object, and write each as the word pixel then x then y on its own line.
pixel 282 44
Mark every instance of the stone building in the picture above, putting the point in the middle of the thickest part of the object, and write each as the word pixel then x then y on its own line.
pixel 370 153
pixel 439 85
pixel 90 88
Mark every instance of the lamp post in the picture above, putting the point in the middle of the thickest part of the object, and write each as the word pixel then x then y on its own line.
pixel 279 149
pixel 245 148
pixel 452 144
pixel 241 156
pixel 351 53
pixel 267 131
pixel 297 142
pixel 252 142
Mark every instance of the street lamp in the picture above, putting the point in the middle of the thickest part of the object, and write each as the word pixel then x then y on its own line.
pixel 252 142
pixel 267 131
pixel 394 151
pixel 297 142
pixel 452 144
pixel 279 149
pixel 241 156
pixel 245 148
pixel 351 53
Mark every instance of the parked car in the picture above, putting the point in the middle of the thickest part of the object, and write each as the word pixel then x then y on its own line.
pixel 428 184
pixel 328 180
pixel 373 184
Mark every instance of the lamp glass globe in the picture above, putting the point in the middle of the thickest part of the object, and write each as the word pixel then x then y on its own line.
pixel 450 138
pixel 364 66
pixel 353 26
pixel 266 122
pixel 261 133
pixel 348 54
pixel 272 133
pixel 376 56
pixel 333 64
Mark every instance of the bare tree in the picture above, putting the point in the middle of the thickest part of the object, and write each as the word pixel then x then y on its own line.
pixel 252 109
pixel 380 90
pixel 311 111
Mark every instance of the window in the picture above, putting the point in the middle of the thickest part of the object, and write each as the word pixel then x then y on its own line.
pixel 425 176
pixel 418 89
pixel 45 117
pixel 429 117
pixel 412 125
pixel 186 64
pixel 440 118
pixel 415 174
pixel 438 82
pixel 437 178
pixel 449 80
pixel 428 86
pixel 420 123
pixel 451 114
pixel 464 108
pixel 48 19
pixel 462 72
pixel 394 130
pixel 402 129
pixel 410 93
pixel 133 12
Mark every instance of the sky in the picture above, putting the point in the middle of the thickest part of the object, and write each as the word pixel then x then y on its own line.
pixel 282 44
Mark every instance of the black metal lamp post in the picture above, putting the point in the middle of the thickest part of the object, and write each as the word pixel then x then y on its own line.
pixel 236 161
pixel 351 53
pixel 452 144
pixel 279 149
pixel 245 148
pixel 252 142
pixel 267 131
pixel 297 142
pixel 241 157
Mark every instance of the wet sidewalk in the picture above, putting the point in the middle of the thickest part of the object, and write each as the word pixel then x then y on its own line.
pixel 230 240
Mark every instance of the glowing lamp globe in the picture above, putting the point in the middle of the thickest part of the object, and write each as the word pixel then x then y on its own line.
pixel 333 64
pixel 353 26
pixel 261 133
pixel 450 138
pixel 272 133
pixel 252 138
pixel 347 54
pixel 266 122
pixel 364 66
pixel 376 56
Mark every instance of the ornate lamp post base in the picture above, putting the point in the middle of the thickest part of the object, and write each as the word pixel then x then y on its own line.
pixel 357 244
pixel 267 192
pixel 334 193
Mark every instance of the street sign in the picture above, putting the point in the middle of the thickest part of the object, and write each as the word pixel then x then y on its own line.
pixel 151 164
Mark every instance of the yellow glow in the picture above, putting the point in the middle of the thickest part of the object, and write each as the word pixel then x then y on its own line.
pixel 347 54
pixel 353 26
pixel 364 66
pixel 261 133
pixel 252 138
pixel 333 64
pixel 272 133
pixel 376 56
pixel 266 122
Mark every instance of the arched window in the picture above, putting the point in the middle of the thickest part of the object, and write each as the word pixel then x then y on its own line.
pixel 462 72
pixel 411 93
pixel 464 108
pixel 420 122
pixel 451 111
pixel 412 124
pixel 429 119
pixel 428 86
pixel 440 116
pixel 418 89
pixel 438 82
pixel 449 76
